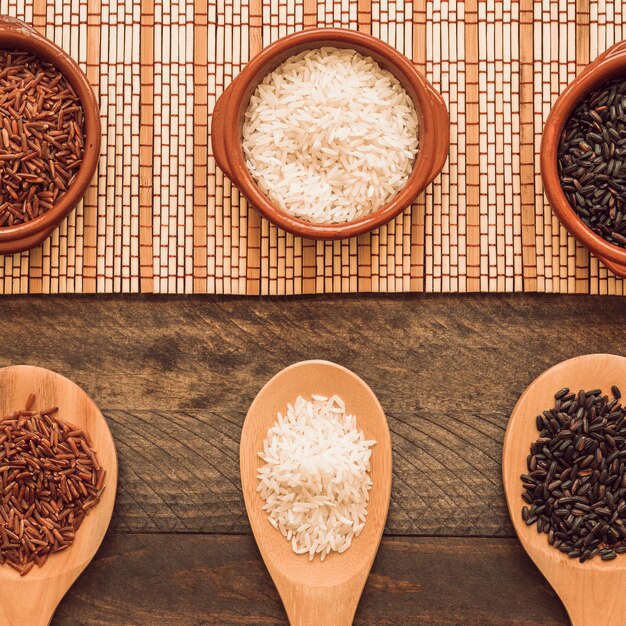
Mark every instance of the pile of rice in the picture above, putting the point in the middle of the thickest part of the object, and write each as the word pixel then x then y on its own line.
pixel 315 480
pixel 329 136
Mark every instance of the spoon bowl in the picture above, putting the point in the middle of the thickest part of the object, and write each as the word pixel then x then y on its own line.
pixel 593 592
pixel 32 599
pixel 317 592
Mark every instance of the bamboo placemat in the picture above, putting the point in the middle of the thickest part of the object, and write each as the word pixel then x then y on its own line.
pixel 161 217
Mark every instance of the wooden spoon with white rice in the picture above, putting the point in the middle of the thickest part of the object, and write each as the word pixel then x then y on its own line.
pixel 316 591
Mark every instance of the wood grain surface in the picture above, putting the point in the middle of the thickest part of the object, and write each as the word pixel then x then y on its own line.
pixel 217 580
pixel 175 377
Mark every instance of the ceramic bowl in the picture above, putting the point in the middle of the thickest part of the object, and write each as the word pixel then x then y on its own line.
pixel 228 115
pixel 608 66
pixel 15 35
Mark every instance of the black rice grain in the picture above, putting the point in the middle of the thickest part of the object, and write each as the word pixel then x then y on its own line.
pixel 592 161
pixel 575 488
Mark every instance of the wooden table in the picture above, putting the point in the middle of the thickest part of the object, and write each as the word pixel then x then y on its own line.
pixel 175 376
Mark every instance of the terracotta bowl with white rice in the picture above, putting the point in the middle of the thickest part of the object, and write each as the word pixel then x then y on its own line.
pixel 330 133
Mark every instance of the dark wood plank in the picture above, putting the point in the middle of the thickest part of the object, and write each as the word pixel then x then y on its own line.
pixel 175 377
pixel 419 353
pixel 179 471
pixel 212 579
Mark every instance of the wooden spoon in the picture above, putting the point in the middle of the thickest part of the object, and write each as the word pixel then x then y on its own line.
pixel 32 599
pixel 317 593
pixel 593 592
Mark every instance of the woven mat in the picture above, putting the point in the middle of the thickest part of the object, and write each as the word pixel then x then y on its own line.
pixel 160 217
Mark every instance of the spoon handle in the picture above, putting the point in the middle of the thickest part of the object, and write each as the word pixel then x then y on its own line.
pixel 317 606
pixel 32 602
pixel 25 612
pixel 594 598
pixel 596 620
pixel 584 617
pixel 31 619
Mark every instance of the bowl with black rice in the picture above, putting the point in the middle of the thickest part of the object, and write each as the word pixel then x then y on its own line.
pixel 583 158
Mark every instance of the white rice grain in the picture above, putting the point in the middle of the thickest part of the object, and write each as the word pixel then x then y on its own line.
pixel 329 136
pixel 315 481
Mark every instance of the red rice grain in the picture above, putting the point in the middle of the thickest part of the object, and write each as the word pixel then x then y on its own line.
pixel 42 130
pixel 50 478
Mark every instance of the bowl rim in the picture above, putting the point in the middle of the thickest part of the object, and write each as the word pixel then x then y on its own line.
pixel 598 72
pixel 429 135
pixel 18 35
